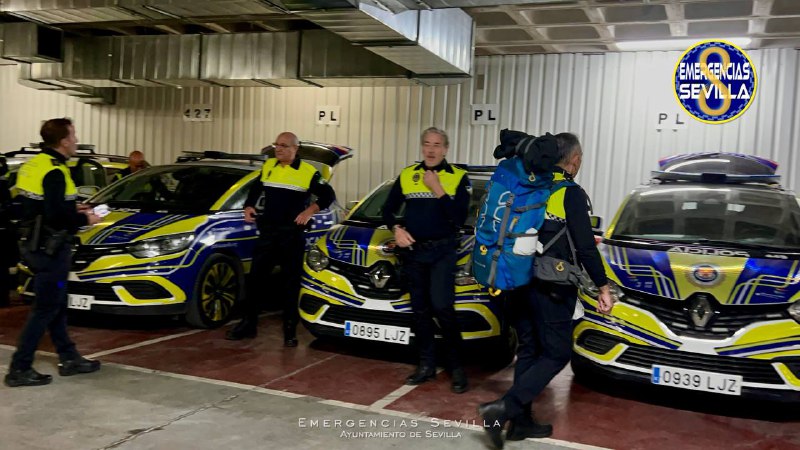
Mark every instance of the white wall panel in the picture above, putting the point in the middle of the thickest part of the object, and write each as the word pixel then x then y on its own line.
pixel 610 100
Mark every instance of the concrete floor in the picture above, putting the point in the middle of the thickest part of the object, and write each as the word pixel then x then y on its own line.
pixel 164 385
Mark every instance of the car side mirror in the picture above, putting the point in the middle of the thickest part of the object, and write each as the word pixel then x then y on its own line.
pixel 352 204
pixel 87 191
pixel 597 223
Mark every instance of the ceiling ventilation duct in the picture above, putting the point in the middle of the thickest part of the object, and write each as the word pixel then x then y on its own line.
pixel 210 8
pixel 88 61
pixel 329 60
pixel 252 59
pixel 3 61
pixel 425 42
pixel 79 11
pixel 172 60
pixel 30 42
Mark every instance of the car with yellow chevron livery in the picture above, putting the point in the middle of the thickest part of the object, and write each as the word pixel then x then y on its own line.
pixel 353 284
pixel 705 264
pixel 175 241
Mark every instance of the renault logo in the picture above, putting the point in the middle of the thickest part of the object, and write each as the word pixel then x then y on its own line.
pixel 379 276
pixel 700 312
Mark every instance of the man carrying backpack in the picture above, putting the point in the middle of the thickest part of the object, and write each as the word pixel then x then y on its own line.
pixel 542 311
pixel 436 195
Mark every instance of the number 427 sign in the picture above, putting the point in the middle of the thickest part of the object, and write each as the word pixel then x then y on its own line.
pixel 197 113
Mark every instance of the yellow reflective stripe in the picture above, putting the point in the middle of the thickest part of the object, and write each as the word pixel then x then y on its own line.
pixel 413 186
pixel 288 186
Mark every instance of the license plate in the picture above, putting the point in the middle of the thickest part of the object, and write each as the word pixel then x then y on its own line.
pixel 80 301
pixel 372 332
pixel 697 380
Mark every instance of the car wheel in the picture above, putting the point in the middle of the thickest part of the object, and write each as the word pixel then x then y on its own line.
pixel 502 354
pixel 217 291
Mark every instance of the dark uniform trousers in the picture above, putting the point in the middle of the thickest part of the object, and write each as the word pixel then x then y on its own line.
pixel 542 315
pixel 49 310
pixel 430 270
pixel 283 248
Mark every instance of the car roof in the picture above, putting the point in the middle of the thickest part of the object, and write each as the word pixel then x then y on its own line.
pixel 759 187
pixel 244 166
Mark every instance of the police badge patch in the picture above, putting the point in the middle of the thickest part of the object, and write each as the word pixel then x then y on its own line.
pixel 415 178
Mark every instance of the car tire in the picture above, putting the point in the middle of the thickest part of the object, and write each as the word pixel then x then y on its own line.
pixel 503 352
pixel 217 292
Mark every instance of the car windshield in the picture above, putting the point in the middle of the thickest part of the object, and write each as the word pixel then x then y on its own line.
pixel 733 215
pixel 171 188
pixel 371 210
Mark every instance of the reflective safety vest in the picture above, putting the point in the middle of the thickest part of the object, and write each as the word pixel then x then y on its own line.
pixel 555 205
pixel 413 185
pixel 31 177
pixel 277 176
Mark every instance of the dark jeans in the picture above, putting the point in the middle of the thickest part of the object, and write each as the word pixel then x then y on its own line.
pixel 430 271
pixel 8 258
pixel 48 312
pixel 286 250
pixel 542 316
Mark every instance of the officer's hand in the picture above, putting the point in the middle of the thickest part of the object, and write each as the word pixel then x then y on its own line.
pixel 605 302
pixel 431 180
pixel 403 237
pixel 92 218
pixel 249 214
pixel 304 217
pixel 82 207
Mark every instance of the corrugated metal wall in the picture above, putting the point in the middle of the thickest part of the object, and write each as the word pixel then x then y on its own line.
pixel 610 100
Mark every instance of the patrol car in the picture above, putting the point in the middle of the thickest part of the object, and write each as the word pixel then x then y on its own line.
pixel 705 264
pixel 353 287
pixel 175 241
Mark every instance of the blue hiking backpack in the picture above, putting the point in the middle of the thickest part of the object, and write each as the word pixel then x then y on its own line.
pixel 513 211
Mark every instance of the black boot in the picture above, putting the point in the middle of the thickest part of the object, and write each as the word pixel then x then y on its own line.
pixel 77 365
pixel 290 336
pixel 494 417
pixel 524 426
pixel 459 383
pixel 246 329
pixel 421 375
pixel 30 377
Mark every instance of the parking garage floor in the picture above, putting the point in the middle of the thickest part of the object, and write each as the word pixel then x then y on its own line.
pixel 164 385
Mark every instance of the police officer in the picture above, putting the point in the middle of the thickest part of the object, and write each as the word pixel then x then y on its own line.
pixel 7 242
pixel 543 311
pixel 436 195
pixel 136 163
pixel 52 218
pixel 287 184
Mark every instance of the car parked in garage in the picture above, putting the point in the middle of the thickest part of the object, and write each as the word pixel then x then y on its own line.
pixel 175 241
pixel 705 264
pixel 353 285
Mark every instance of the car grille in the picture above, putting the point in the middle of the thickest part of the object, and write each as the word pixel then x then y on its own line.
pixel 144 290
pixel 87 254
pixel 100 291
pixel 467 320
pixel 751 370
pixel 727 319
pixel 359 277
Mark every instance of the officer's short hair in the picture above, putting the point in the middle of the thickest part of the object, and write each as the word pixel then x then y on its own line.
pixel 54 130
pixel 435 130
pixel 568 144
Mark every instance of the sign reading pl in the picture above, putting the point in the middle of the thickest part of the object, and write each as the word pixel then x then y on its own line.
pixel 485 114
pixel 329 115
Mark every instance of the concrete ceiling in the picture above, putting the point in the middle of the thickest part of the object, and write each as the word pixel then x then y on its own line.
pixel 598 25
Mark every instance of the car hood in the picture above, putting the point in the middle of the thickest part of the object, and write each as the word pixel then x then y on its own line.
pixel 732 277
pixel 122 227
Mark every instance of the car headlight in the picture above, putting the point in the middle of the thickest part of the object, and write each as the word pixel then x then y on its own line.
pixel 587 286
pixel 616 292
pixel 164 245
pixel 317 260
pixel 464 276
pixel 794 311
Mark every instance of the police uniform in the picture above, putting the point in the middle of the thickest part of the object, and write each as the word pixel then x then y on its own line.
pixel 287 191
pixel 48 192
pixel 430 264
pixel 542 312
pixel 8 244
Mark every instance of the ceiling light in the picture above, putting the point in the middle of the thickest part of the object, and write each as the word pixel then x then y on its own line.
pixel 674 44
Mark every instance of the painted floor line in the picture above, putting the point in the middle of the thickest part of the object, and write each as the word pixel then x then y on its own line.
pixel 393 396
pixel 463 424
pixel 291 374
pixel 143 343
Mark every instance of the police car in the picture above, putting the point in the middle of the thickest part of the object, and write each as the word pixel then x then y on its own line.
pixel 175 241
pixel 353 287
pixel 705 264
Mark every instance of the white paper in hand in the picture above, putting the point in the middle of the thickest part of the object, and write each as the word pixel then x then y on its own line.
pixel 101 210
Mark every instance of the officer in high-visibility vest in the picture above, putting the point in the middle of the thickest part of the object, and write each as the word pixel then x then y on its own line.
pixel 436 195
pixel 542 313
pixel 51 218
pixel 287 184
pixel 7 242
